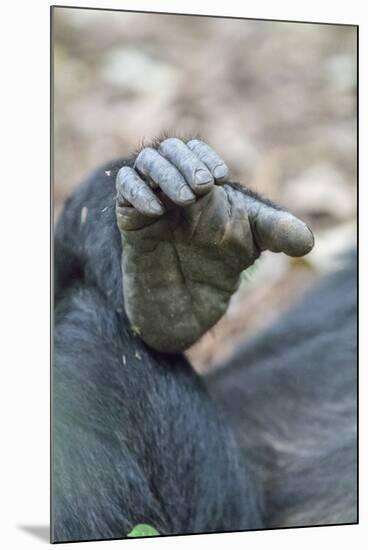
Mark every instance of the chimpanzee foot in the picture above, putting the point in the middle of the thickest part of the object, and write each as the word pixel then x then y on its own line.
pixel 187 234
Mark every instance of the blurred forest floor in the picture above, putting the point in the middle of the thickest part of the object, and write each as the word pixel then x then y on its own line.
pixel 276 100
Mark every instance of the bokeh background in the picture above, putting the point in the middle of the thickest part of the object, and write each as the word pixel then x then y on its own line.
pixel 276 100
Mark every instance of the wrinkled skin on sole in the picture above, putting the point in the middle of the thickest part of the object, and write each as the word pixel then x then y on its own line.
pixel 187 234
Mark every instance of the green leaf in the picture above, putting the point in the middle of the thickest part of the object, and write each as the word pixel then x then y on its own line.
pixel 143 530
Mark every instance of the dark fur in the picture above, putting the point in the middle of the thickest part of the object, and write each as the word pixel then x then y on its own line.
pixel 291 396
pixel 137 437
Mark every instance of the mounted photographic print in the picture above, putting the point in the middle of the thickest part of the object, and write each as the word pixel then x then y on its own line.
pixel 204 372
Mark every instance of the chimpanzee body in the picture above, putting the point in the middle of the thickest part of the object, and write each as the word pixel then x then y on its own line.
pixel 267 440
pixel 291 397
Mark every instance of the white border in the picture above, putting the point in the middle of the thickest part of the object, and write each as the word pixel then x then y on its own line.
pixel 24 287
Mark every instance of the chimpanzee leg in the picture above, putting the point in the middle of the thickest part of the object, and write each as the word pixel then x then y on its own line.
pixel 136 437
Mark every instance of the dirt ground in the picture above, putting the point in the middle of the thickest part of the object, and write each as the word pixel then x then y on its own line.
pixel 276 100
